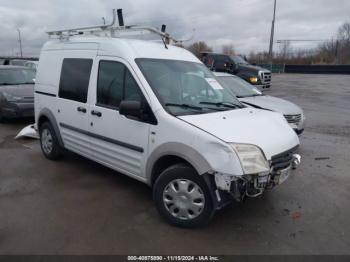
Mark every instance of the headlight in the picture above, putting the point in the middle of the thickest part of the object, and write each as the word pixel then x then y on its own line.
pixel 11 98
pixel 253 79
pixel 252 159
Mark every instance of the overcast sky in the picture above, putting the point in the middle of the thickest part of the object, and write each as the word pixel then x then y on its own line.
pixel 244 23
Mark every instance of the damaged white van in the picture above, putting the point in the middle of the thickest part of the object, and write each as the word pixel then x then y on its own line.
pixel 154 112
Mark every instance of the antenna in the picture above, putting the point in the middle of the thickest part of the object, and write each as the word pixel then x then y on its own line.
pixel 163 28
pixel 120 17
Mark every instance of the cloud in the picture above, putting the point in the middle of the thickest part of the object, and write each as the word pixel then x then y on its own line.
pixel 244 23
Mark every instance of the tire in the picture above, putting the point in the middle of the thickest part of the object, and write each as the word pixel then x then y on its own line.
pixel 49 142
pixel 1 117
pixel 182 197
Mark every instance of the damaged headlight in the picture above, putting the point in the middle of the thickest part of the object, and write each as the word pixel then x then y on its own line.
pixel 252 158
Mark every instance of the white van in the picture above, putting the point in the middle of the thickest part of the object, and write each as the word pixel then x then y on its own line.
pixel 154 112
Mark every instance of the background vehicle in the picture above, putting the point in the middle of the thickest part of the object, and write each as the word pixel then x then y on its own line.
pixel 31 64
pixel 16 92
pixel 251 96
pixel 17 62
pixel 154 112
pixel 255 75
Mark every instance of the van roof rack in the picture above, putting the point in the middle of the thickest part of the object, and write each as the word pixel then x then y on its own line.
pixel 115 31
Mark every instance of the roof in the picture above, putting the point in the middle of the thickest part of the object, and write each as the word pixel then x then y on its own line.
pixel 124 48
pixel 12 67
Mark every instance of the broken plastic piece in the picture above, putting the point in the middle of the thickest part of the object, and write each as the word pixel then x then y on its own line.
pixel 28 131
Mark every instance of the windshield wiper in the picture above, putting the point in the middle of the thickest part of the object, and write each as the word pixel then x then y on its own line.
pixel 252 95
pixel 225 104
pixel 184 106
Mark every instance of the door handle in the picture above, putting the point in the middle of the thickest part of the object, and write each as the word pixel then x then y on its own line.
pixel 96 113
pixel 81 109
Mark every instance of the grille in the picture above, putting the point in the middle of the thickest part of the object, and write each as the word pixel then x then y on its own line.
pixel 266 78
pixel 294 119
pixel 283 160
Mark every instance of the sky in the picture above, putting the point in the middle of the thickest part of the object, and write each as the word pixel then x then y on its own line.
pixel 244 23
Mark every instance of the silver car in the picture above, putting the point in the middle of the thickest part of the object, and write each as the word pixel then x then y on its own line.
pixel 16 92
pixel 251 96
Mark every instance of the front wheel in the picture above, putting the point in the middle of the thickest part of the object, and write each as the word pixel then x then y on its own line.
pixel 182 197
pixel 49 142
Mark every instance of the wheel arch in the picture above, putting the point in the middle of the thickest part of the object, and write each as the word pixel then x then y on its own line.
pixel 46 115
pixel 173 153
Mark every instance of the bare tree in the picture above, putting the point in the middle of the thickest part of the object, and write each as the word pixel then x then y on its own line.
pixel 344 32
pixel 285 50
pixel 198 47
pixel 228 49
pixel 343 44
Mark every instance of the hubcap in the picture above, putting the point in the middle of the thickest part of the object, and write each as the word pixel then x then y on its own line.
pixel 46 141
pixel 184 199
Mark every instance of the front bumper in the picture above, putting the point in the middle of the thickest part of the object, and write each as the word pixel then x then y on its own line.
pixel 17 110
pixel 263 86
pixel 238 188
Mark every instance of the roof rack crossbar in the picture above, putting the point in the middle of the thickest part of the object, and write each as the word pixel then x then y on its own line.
pixel 100 27
pixel 115 31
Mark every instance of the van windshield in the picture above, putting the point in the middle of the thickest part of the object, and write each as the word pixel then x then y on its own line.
pixel 186 87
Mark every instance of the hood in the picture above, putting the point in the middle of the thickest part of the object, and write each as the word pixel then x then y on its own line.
pixel 267 130
pixel 251 68
pixel 26 90
pixel 273 103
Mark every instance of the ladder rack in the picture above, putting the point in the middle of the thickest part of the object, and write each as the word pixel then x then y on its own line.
pixel 114 31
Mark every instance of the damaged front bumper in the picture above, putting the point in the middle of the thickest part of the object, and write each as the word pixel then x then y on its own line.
pixel 239 187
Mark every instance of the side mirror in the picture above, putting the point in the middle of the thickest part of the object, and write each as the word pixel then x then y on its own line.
pixel 130 109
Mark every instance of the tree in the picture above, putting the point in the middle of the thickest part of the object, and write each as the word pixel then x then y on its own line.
pixel 228 49
pixel 343 44
pixel 198 47
pixel 285 50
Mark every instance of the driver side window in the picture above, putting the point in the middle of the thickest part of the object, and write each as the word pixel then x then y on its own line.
pixel 115 84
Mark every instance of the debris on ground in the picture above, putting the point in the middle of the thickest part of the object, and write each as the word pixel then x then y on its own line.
pixel 322 158
pixel 296 215
pixel 28 131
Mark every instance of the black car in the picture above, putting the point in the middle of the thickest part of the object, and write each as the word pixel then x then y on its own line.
pixel 16 92
pixel 236 65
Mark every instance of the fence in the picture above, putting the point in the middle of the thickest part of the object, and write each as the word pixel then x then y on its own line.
pixel 308 69
pixel 318 69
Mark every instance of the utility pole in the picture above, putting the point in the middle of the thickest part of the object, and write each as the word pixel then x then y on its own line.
pixel 20 41
pixel 272 34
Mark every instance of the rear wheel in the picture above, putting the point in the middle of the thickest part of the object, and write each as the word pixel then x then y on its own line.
pixel 49 142
pixel 182 197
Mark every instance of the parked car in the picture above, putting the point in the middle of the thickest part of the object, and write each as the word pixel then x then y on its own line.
pixel 17 62
pixel 31 64
pixel 251 96
pixel 236 65
pixel 154 112
pixel 16 92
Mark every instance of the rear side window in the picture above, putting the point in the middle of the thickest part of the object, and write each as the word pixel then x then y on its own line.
pixel 75 76
pixel 115 84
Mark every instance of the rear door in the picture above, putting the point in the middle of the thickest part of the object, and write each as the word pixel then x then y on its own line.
pixel 72 106
pixel 118 142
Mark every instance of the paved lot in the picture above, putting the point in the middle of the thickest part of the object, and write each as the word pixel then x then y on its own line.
pixel 78 207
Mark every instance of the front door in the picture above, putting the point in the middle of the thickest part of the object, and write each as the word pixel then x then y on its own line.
pixel 118 142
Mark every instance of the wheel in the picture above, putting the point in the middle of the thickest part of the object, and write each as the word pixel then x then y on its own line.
pixel 49 142
pixel 1 117
pixel 182 197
